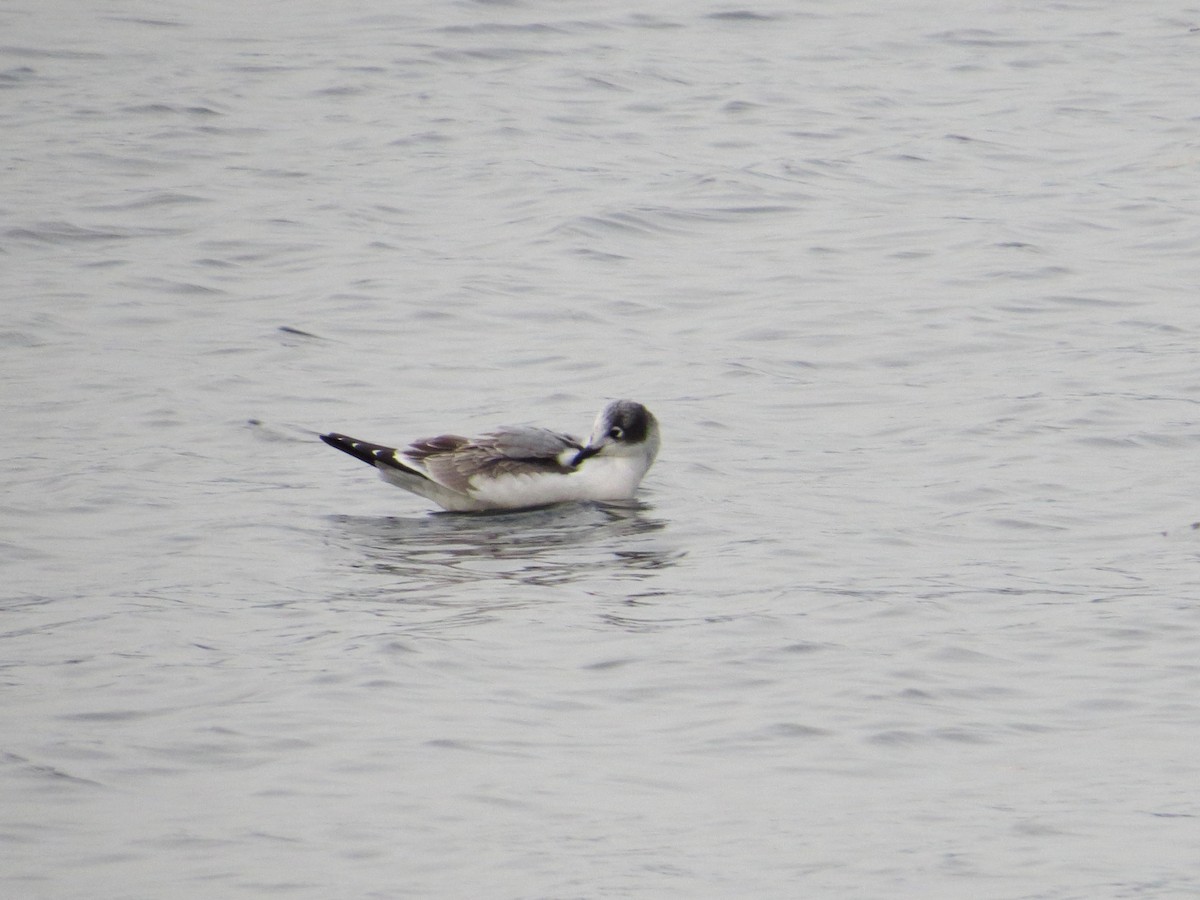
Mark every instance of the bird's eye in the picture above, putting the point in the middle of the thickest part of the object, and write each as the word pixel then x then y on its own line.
pixel 616 432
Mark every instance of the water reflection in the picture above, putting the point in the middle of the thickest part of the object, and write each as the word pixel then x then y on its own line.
pixel 551 546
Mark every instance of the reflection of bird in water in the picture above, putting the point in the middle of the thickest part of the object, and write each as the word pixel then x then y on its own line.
pixel 557 545
pixel 521 467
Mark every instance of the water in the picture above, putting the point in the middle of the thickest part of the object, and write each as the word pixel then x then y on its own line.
pixel 910 606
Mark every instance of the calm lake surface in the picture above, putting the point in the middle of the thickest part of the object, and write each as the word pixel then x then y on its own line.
pixel 910 606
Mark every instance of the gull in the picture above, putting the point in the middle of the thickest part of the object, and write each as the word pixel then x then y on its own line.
pixel 520 467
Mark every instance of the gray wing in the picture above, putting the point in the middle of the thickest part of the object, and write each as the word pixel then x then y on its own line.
pixel 454 461
pixel 528 443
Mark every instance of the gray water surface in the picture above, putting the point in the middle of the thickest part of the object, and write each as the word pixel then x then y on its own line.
pixel 909 606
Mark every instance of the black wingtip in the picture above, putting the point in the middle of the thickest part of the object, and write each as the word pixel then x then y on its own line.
pixel 360 450
pixel 340 441
pixel 372 454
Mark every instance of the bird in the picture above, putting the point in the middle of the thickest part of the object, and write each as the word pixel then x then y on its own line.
pixel 520 467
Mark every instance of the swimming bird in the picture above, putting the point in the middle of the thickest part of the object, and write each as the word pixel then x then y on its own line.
pixel 519 467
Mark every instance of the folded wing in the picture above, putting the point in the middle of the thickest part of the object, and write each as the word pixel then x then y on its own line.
pixel 454 461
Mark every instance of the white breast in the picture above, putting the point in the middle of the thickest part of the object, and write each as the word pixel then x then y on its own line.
pixel 599 478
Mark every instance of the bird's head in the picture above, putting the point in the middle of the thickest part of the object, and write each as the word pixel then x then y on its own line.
pixel 623 428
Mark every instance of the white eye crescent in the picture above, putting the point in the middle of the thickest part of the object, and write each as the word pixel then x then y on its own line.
pixel 616 432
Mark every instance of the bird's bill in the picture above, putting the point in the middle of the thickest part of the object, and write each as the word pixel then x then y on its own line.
pixel 587 453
